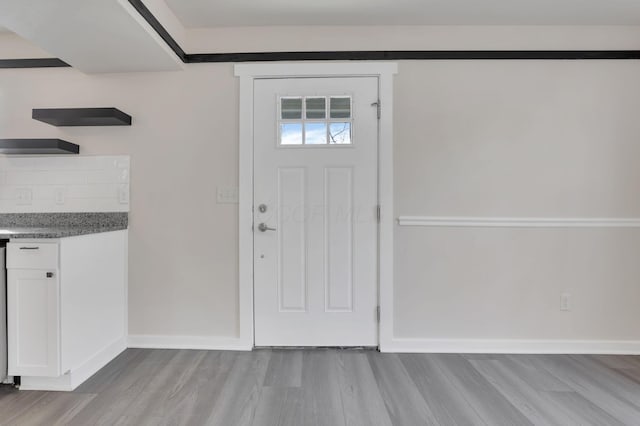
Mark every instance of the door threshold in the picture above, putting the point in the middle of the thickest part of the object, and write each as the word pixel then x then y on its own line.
pixel 341 348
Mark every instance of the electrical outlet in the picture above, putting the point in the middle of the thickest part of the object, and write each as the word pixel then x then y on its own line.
pixel 60 195
pixel 227 195
pixel 24 196
pixel 123 194
pixel 565 302
pixel 121 164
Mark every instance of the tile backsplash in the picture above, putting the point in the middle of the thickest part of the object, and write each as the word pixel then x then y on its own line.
pixel 64 184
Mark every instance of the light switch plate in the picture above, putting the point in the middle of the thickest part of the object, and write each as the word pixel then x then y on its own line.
pixel 227 195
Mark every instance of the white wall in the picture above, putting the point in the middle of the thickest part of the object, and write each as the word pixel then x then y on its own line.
pixel 517 139
pixel 472 138
pixel 182 144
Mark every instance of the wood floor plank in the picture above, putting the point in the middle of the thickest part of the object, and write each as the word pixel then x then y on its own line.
pixel 580 379
pixel 332 387
pixel 13 403
pixel 361 398
pixel 168 390
pixel 530 402
pixel 492 407
pixel 447 404
pixel 615 382
pixel 322 403
pixel 403 400
pixel 237 403
pixel 570 410
pixel 122 364
pixel 128 421
pixel 538 378
pixel 483 357
pixel 108 406
pixel 583 411
pixel 56 408
pixel 193 404
pixel 285 369
pixel 280 406
pixel 618 361
pixel 632 374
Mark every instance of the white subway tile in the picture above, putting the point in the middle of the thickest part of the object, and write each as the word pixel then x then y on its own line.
pixel 64 184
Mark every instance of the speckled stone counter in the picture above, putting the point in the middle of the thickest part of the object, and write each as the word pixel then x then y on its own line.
pixel 59 225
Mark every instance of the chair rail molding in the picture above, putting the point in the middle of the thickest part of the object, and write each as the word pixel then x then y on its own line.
pixel 518 222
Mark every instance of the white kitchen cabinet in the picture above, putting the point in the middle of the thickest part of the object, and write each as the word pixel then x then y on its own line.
pixel 66 307
pixel 34 322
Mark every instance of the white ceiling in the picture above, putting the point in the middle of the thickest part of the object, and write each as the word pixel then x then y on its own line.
pixel 92 36
pixel 110 36
pixel 225 13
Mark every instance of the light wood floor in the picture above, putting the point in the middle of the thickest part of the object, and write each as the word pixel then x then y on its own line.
pixel 340 387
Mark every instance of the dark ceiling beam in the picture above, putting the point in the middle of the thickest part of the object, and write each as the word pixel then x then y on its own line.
pixel 388 55
pixel 379 55
pixel 363 55
pixel 158 28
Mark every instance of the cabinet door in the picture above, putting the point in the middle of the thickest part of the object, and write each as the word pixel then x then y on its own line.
pixel 33 322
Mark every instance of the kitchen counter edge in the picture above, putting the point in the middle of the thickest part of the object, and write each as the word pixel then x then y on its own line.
pixel 53 233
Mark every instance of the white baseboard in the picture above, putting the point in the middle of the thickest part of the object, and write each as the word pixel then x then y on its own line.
pixel 412 345
pixel 96 362
pixel 189 342
pixel 507 346
pixel 77 376
pixel 62 383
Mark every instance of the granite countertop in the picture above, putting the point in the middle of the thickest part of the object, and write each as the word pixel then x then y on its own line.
pixel 59 225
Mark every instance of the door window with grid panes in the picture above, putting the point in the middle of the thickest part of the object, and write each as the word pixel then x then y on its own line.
pixel 315 121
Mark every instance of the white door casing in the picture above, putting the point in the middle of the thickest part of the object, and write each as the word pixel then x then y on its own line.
pixel 249 74
pixel 316 271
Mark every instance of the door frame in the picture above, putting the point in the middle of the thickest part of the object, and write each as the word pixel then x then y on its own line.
pixel 247 74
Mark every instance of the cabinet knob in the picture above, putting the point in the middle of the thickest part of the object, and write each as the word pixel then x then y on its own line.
pixel 49 274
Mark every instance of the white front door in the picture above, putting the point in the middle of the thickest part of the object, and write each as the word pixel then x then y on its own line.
pixel 315 211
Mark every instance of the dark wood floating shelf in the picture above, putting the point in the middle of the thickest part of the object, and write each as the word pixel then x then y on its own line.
pixel 82 116
pixel 37 146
